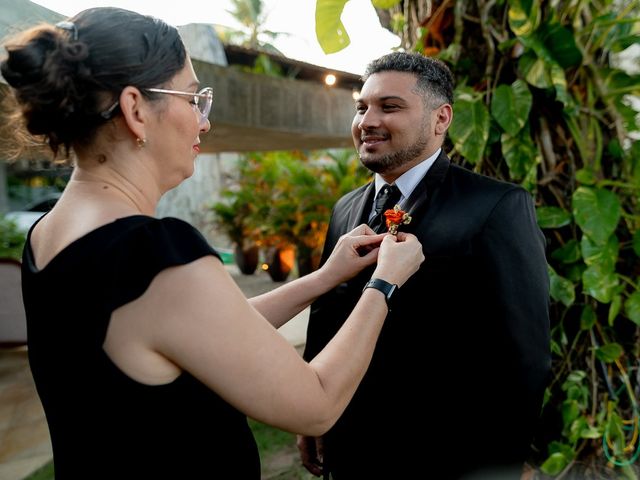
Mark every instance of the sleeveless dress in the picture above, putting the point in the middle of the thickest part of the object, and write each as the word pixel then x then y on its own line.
pixel 102 423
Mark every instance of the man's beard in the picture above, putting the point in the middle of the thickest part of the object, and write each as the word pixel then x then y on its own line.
pixel 391 161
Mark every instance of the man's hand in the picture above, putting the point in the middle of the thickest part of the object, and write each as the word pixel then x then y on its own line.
pixel 311 453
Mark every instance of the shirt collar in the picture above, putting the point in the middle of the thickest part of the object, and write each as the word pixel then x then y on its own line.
pixel 408 181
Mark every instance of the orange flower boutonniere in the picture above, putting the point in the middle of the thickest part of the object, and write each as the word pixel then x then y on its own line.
pixel 395 218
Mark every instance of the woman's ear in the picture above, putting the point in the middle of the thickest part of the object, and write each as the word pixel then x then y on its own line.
pixel 134 110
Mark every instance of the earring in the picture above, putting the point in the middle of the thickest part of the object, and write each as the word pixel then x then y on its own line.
pixel 141 142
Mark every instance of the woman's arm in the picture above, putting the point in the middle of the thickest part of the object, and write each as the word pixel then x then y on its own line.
pixel 283 303
pixel 194 318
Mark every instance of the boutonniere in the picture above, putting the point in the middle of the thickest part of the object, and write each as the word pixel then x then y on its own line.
pixel 395 218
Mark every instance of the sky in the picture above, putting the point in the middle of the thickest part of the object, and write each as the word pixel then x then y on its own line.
pixel 294 17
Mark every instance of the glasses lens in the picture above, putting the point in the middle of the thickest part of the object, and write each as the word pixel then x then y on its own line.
pixel 205 102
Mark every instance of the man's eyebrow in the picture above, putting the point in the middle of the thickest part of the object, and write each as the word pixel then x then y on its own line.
pixel 391 97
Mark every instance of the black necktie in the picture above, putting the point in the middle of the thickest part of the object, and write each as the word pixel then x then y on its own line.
pixel 387 198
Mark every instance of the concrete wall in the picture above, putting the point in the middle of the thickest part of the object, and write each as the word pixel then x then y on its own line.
pixel 256 112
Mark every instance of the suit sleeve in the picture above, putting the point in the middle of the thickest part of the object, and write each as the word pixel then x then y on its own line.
pixel 514 248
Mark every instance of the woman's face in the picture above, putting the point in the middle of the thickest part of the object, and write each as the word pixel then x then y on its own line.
pixel 174 140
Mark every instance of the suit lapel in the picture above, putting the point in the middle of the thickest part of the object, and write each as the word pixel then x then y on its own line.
pixel 419 198
pixel 360 205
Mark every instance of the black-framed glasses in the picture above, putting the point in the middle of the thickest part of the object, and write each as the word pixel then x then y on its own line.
pixel 203 100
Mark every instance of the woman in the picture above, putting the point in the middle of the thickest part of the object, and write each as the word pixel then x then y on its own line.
pixel 152 366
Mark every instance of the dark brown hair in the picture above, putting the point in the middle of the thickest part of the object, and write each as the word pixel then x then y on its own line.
pixel 64 77
pixel 435 80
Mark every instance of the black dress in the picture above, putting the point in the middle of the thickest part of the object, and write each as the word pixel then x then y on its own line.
pixel 102 423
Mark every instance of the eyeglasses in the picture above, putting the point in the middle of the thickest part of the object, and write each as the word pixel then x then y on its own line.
pixel 201 100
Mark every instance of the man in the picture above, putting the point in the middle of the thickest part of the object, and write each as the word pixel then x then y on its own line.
pixel 463 359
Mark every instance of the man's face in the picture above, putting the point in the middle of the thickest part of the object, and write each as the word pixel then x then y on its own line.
pixel 392 128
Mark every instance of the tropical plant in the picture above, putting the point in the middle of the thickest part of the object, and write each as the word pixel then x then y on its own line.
pixel 252 16
pixel 283 198
pixel 542 101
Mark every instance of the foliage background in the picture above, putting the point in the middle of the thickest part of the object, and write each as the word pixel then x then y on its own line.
pixel 541 101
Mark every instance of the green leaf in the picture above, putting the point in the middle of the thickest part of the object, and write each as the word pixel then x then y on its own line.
pixel 330 32
pixel 570 411
pixel 574 271
pixel 510 106
pixel 520 153
pixel 591 432
pixel 554 464
pixel 605 255
pixel 599 283
pixel 524 16
pixel 597 211
pixel 470 128
pixel 632 308
pixel 385 3
pixel 586 176
pixel 614 309
pixel 560 43
pixel 559 81
pixel 561 289
pixel 568 253
pixel 534 70
pixel 576 376
pixel 636 242
pixel 552 217
pixel 558 447
pixel 609 352
pixel 587 318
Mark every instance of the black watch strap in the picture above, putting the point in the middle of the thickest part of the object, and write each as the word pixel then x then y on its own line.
pixel 385 287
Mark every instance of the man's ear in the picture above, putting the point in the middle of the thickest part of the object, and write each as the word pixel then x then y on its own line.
pixel 134 110
pixel 444 117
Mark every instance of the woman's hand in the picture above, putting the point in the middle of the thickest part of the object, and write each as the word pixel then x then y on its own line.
pixel 354 251
pixel 399 257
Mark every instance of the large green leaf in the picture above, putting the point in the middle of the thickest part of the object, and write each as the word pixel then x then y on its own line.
pixel 605 255
pixel 609 352
pixel 599 283
pixel 520 153
pixel 470 128
pixel 561 289
pixel 510 106
pixel 542 65
pixel 524 16
pixel 597 211
pixel 554 464
pixel 560 44
pixel 534 70
pixel 330 32
pixel 632 308
pixel 552 217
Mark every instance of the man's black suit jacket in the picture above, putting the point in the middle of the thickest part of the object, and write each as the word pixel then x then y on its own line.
pixel 463 358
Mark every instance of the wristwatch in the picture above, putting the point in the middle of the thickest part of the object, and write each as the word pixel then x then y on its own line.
pixel 389 289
